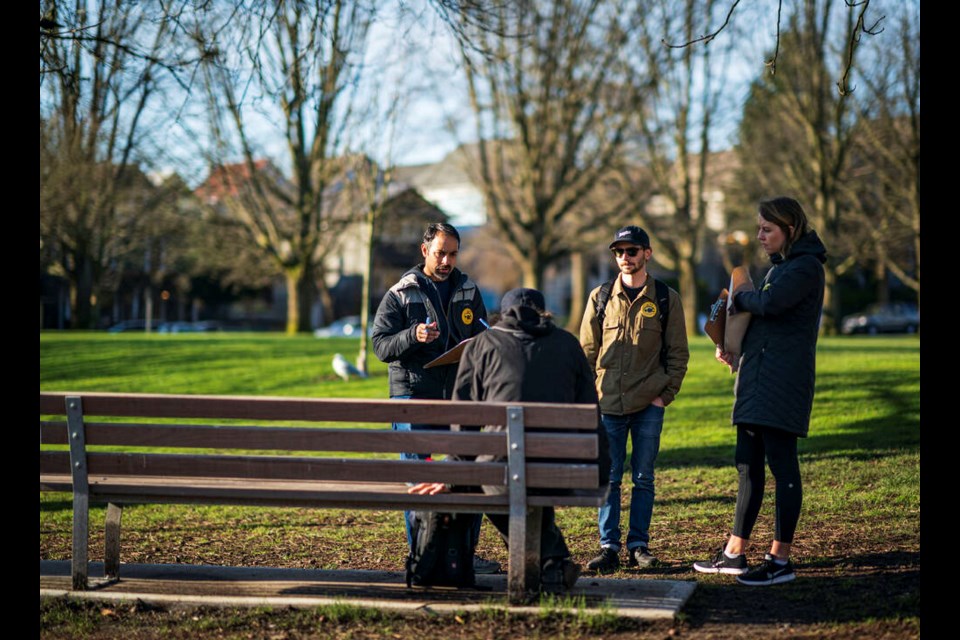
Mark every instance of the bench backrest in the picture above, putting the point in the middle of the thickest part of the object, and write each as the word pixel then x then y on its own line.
pixel 560 445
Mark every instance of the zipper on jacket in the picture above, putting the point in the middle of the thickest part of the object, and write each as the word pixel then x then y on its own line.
pixel 446 312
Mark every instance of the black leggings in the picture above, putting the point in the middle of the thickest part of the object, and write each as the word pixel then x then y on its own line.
pixel 780 448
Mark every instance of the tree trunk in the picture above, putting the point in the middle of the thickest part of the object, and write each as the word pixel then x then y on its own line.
pixel 291 276
pixel 148 309
pixel 916 248
pixel 306 288
pixel 365 299
pixel 326 300
pixel 880 273
pixel 688 293
pixel 533 270
pixel 831 302
pixel 578 292
pixel 81 293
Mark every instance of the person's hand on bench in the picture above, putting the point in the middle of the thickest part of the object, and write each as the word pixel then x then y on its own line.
pixel 429 488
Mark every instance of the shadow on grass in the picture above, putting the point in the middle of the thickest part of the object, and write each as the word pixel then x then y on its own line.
pixel 896 429
pixel 696 500
pixel 865 440
pixel 886 586
pixel 886 559
pixel 868 344
pixel 56 505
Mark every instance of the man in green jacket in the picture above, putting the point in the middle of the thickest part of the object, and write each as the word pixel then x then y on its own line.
pixel 634 336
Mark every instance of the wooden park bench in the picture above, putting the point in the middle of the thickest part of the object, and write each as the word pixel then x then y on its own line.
pixel 535 437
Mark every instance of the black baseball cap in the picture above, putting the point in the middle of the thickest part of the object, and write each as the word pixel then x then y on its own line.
pixel 632 234
pixel 522 297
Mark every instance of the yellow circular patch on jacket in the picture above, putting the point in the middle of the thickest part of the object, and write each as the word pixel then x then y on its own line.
pixel 467 316
pixel 648 310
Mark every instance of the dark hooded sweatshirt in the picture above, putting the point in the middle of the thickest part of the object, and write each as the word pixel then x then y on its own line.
pixel 526 358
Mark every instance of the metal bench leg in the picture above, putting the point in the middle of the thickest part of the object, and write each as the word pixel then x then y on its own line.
pixel 81 521
pixel 524 576
pixel 517 575
pixel 81 492
pixel 111 555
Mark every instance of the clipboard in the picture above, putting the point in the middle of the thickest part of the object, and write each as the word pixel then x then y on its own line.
pixel 450 357
pixel 716 324
pixel 737 323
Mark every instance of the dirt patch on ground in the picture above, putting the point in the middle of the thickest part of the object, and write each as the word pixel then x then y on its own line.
pixel 853 587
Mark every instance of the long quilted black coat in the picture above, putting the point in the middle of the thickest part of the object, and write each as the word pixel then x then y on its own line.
pixel 775 382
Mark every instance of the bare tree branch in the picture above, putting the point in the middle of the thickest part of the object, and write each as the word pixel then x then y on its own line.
pixel 708 37
pixel 855 35
pixel 772 62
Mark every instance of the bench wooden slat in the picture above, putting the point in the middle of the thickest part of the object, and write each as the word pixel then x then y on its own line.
pixel 566 445
pixel 539 474
pixel 151 490
pixel 54 462
pixel 295 468
pixel 558 416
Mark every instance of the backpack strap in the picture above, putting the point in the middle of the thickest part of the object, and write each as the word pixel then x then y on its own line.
pixel 663 304
pixel 603 296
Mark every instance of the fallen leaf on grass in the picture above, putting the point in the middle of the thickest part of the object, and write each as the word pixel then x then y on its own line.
pixel 108 612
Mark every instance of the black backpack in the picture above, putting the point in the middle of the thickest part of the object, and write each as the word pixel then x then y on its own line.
pixel 663 306
pixel 443 550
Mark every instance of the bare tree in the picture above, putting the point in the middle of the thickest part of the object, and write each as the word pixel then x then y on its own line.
pixel 675 130
pixel 99 75
pixel 859 25
pixel 887 156
pixel 797 132
pixel 299 65
pixel 553 87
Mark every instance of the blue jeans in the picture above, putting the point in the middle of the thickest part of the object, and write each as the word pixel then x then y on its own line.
pixel 408 515
pixel 644 429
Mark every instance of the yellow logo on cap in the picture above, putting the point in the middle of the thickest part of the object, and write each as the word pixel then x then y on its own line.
pixel 467 316
pixel 648 310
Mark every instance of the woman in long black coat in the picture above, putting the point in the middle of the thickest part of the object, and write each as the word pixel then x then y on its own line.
pixel 774 388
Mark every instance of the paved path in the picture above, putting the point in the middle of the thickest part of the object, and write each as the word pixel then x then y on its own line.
pixel 255 586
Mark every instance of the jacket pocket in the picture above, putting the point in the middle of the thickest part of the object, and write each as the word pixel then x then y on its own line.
pixel 610 346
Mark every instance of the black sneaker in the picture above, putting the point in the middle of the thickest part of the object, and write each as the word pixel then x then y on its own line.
pixel 770 572
pixel 482 566
pixel 607 562
pixel 558 575
pixel 722 564
pixel 641 557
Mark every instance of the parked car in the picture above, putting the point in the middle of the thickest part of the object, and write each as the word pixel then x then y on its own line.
pixel 189 327
pixel 128 325
pixel 896 317
pixel 346 327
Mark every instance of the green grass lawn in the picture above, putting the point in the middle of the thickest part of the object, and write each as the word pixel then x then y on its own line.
pixel 857 547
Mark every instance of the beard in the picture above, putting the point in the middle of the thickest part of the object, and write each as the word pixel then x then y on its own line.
pixel 442 273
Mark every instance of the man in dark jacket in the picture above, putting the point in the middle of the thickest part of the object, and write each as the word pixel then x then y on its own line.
pixel 432 308
pixel 525 357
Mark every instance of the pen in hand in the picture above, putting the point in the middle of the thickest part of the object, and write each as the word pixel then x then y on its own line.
pixel 430 331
